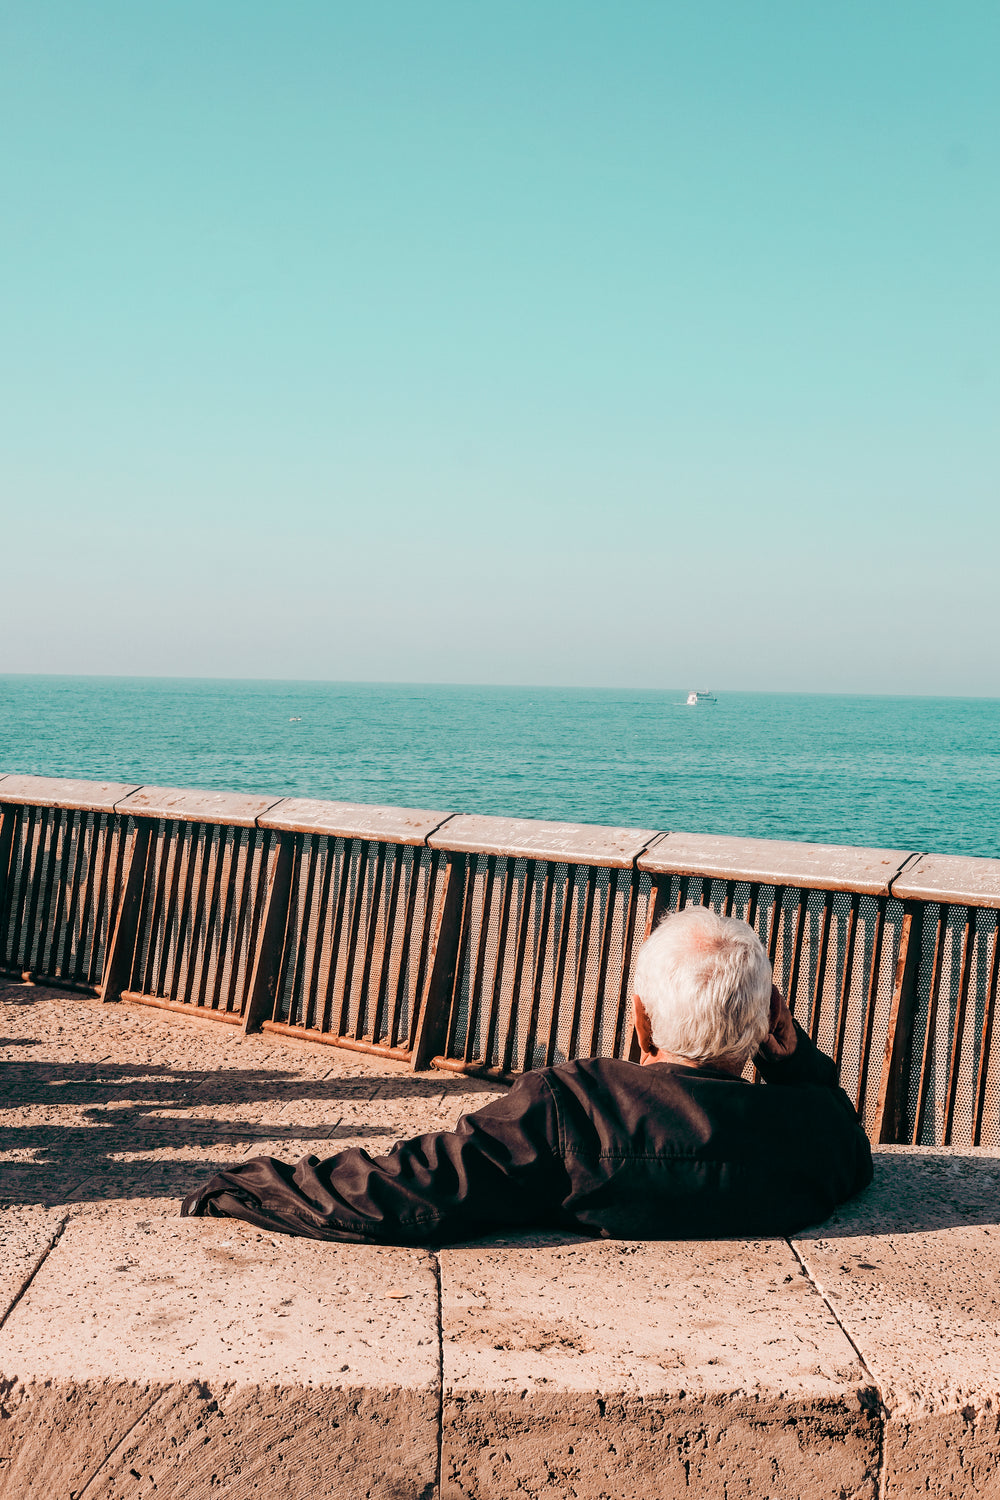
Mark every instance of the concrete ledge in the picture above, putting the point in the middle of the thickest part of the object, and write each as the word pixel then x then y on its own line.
pixel 910 875
pixel 643 1370
pixel 158 1357
pixel 181 1358
pixel 27 1234
pixel 144 1356
pixel 913 1271
pixel 948 877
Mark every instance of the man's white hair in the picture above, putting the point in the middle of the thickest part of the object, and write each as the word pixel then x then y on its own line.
pixel 705 984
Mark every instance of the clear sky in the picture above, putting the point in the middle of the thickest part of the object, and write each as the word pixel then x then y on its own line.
pixel 543 342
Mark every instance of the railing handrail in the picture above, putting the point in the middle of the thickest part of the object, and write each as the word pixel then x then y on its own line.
pixel 910 874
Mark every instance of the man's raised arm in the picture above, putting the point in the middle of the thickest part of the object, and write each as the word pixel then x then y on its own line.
pixel 788 1055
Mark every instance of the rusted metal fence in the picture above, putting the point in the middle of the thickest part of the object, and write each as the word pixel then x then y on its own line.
pixel 491 945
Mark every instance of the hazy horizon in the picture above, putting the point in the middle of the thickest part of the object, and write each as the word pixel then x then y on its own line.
pixel 556 687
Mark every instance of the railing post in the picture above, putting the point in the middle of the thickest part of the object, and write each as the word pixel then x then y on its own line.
pixel 8 818
pixel 429 1040
pixel 626 1043
pixel 890 1109
pixel 120 951
pixel 263 987
pixel 659 899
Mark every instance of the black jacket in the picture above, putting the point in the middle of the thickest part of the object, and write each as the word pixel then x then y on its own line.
pixel 599 1146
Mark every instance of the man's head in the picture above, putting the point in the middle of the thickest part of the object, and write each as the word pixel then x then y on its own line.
pixel 703 989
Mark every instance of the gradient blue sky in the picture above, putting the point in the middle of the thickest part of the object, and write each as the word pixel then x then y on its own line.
pixel 629 344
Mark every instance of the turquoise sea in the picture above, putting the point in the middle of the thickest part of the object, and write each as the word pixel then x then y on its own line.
pixel 915 773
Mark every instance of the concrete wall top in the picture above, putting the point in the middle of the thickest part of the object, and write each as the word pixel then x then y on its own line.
pixel 236 809
pixel 353 820
pixel 828 867
pixel 193 1354
pixel 58 791
pixel 945 877
pixel 878 872
pixel 530 838
pixel 913 1266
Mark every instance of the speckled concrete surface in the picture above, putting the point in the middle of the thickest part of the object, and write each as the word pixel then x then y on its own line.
pixel 104 1103
pixel 27 1235
pixel 712 1369
pixel 142 1354
pixel 912 1270
pixel 206 1359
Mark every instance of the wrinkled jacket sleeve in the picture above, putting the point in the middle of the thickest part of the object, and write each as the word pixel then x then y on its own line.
pixel 501 1165
pixel 808 1065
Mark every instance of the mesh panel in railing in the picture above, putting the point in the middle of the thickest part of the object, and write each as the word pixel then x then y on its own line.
pixel 63 886
pixel 200 920
pixel 834 955
pixel 951 1066
pixel 358 939
pixel 545 958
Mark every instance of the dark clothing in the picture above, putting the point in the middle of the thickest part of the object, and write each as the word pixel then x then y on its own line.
pixel 600 1146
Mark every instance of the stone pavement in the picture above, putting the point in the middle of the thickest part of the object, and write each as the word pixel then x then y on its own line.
pixel 109 1102
pixel 145 1356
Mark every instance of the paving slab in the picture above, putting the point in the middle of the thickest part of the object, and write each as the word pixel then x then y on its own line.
pixel 732 1378
pixel 27 1234
pixel 629 1371
pixel 912 1269
pixel 116 1102
pixel 182 1358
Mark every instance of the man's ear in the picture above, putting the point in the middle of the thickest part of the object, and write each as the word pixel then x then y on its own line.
pixel 643 1030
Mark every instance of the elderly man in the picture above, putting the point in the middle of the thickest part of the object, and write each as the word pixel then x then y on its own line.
pixel 678 1146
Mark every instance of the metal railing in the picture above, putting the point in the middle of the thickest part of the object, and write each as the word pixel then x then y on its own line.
pixel 492 945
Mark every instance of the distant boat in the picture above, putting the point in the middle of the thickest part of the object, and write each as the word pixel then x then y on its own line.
pixel 295 719
pixel 694 698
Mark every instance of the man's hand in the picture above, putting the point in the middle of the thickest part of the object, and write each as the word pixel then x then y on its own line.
pixel 781 1040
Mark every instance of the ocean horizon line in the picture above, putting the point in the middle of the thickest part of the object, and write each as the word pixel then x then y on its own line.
pixel 553 687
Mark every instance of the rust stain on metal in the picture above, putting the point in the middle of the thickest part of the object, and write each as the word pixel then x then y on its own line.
pixel 351 1043
pixel 986 1043
pixel 940 931
pixel 871 998
pixel 134 998
pixel 968 944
